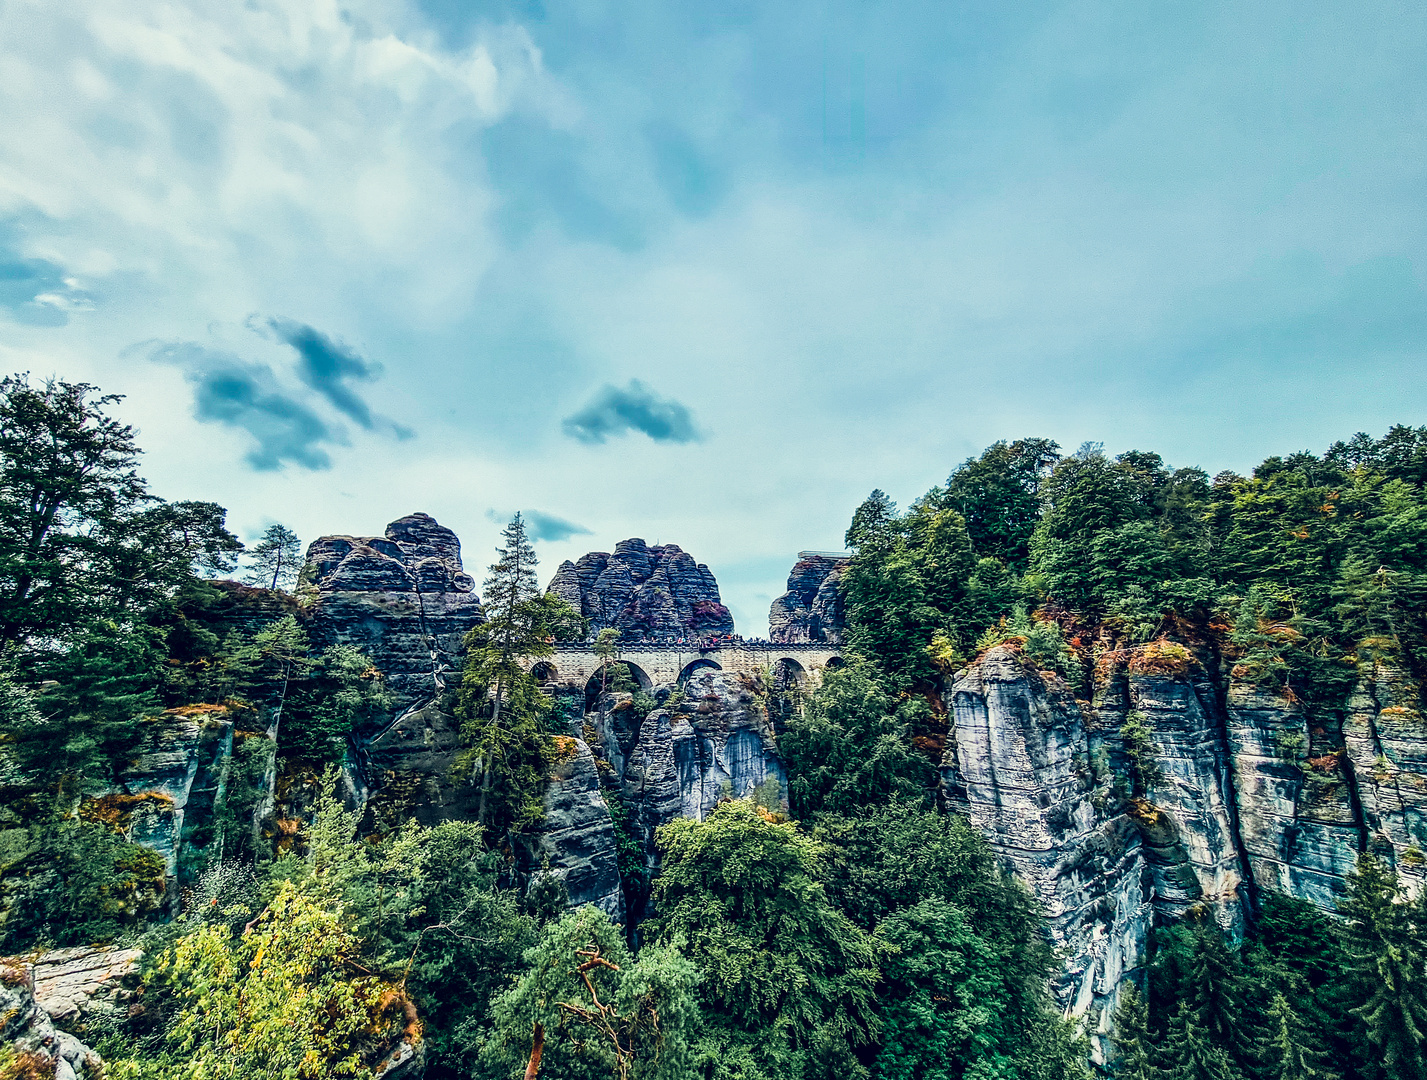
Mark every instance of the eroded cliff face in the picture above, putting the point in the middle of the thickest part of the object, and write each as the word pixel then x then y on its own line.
pixel 811 609
pixel 1024 754
pixel 402 598
pixel 642 591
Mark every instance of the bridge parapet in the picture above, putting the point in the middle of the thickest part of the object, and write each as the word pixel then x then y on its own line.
pixel 666 664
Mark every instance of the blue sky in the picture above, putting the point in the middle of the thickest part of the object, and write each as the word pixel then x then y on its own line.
pixel 706 274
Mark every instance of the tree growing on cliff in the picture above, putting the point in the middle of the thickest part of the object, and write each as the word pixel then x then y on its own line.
pixel 502 708
pixel 275 559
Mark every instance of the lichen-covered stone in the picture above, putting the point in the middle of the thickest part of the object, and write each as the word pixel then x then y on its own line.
pixel 644 592
pixel 812 608
pixel 575 842
pixel 70 984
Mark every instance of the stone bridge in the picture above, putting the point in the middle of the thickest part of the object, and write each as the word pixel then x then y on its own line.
pixel 663 664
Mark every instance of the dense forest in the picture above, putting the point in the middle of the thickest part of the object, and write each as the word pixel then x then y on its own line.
pixel 854 927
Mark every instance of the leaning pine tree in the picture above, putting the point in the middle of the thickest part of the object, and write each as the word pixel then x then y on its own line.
pixel 502 709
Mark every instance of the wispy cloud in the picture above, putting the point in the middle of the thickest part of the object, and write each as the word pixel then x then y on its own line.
pixel 616 411
pixel 326 365
pixel 545 526
pixel 35 291
pixel 232 391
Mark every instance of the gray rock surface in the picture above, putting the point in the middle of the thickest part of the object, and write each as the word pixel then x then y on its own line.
pixel 1023 753
pixel 717 742
pixel 576 841
pixel 69 984
pixel 811 609
pixel 27 1029
pixel 168 790
pixel 642 591
pixel 1385 743
pixel 402 598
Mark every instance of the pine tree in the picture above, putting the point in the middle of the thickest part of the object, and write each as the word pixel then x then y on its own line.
pixel 1191 1054
pixel 1131 1039
pixel 508 747
pixel 276 559
pixel 1387 969
pixel 1215 992
pixel 1293 1050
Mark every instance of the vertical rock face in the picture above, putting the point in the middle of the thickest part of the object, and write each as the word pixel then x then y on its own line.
pixel 403 598
pixel 1297 820
pixel 1188 826
pixel 1385 742
pixel 811 609
pixel 717 742
pixel 1024 750
pixel 644 592
pixel 166 796
pixel 576 841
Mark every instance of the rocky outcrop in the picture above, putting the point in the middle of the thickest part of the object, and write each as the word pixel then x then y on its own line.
pixel 644 592
pixel 718 742
pixel 26 1029
pixel 1025 757
pixel 811 609
pixel 167 794
pixel 1188 819
pixel 402 598
pixel 576 841
pixel 72 984
pixel 411 769
pixel 1297 819
pixel 1385 746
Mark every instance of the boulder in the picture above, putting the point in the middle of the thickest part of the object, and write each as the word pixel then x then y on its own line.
pixel 29 1033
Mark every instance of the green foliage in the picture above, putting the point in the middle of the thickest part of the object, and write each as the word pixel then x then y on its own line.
pixel 341 693
pixel 1138 741
pixel 595 1010
pixel 504 714
pixel 72 882
pixel 1134 1052
pixel 1386 969
pixel 286 999
pixel 275 559
pixel 787 980
pixel 852 746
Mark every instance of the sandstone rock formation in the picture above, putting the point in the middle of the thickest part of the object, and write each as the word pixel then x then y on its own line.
pixel 644 592
pixel 27 1031
pixel 576 841
pixel 811 609
pixel 402 598
pixel 1024 753
pixel 71 984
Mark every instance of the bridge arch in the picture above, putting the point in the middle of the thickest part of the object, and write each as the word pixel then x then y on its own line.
pixel 545 673
pixel 703 663
pixel 788 674
pixel 834 662
pixel 641 679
